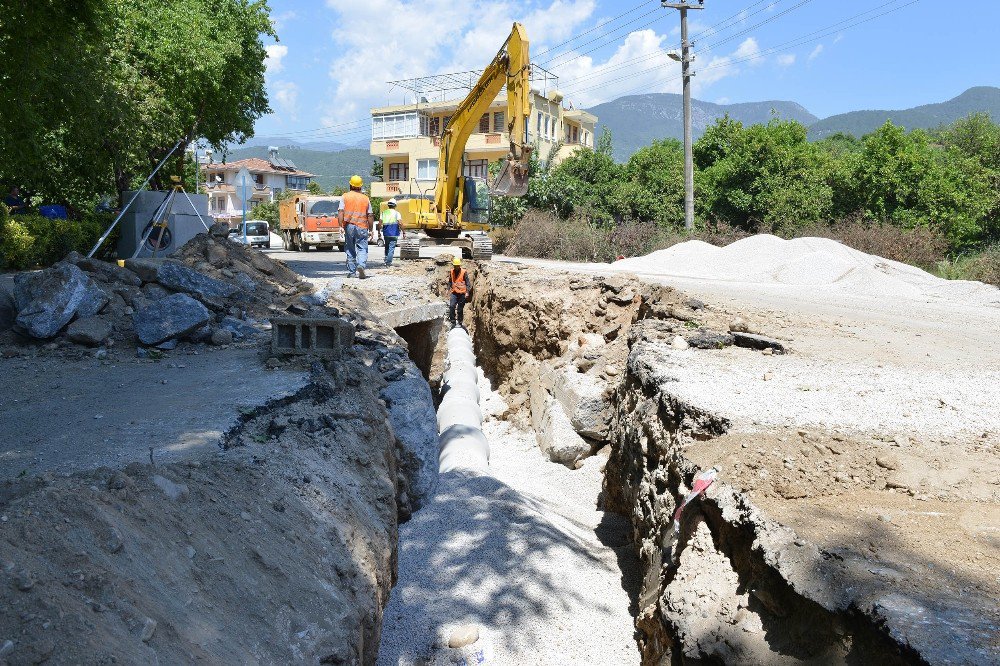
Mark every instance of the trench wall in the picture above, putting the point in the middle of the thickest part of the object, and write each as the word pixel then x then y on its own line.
pixel 732 587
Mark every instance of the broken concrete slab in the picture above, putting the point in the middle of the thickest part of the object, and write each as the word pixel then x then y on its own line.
pixel 94 300
pixel 555 433
pixel 146 269
pixel 706 339
pixel 109 272
pixel 240 329
pixel 175 275
pixel 582 399
pixel 171 317
pixel 411 413
pixel 90 331
pixel 46 301
pixel 759 342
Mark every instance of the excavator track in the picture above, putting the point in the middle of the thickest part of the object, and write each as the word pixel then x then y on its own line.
pixel 409 248
pixel 482 248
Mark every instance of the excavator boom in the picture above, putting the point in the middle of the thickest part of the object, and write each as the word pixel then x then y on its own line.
pixel 511 67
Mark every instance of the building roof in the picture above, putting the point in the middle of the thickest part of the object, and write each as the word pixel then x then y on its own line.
pixel 258 165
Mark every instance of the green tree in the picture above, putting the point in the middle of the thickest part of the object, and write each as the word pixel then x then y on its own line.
pixel 763 176
pixel 95 92
pixel 314 188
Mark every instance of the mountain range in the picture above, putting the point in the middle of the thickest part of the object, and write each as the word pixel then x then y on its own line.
pixel 638 120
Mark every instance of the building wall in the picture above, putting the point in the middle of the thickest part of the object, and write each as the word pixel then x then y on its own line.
pixel 547 123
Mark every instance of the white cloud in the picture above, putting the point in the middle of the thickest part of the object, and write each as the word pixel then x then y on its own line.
pixel 815 52
pixel 275 56
pixel 786 59
pixel 388 40
pixel 279 21
pixel 839 37
pixel 285 96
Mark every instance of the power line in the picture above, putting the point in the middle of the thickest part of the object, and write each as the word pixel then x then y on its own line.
pixel 612 37
pixel 799 41
pixel 596 27
pixel 715 28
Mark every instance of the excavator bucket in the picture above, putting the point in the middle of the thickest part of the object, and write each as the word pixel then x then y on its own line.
pixel 512 181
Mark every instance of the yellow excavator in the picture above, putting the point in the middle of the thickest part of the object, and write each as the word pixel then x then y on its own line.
pixel 457 215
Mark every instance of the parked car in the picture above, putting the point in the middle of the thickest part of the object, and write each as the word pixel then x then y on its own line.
pixel 258 234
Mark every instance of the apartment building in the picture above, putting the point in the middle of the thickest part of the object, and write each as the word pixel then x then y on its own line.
pixel 267 178
pixel 408 139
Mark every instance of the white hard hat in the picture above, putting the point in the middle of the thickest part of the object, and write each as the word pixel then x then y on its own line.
pixel 391 202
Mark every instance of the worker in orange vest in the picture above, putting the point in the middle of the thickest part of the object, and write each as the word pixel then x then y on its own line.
pixel 356 218
pixel 461 291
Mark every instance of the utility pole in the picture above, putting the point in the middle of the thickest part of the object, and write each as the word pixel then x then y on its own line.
pixel 686 58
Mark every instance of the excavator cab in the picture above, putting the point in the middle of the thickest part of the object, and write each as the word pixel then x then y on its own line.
pixel 475 200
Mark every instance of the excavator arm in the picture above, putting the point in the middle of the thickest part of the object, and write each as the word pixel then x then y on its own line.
pixel 510 67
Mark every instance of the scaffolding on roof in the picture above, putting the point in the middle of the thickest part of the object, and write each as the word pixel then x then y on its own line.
pixel 439 85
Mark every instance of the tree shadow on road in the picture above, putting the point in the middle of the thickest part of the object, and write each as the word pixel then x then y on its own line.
pixel 486 554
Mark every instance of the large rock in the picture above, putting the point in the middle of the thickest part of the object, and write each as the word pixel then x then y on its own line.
pixel 582 399
pixel 555 434
pixel 90 331
pixel 109 272
pixel 170 317
pixel 146 269
pixel 175 275
pixel 94 300
pixel 48 300
pixel 239 328
pixel 411 413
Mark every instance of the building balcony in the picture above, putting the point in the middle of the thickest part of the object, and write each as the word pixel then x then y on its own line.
pixel 395 188
pixel 428 146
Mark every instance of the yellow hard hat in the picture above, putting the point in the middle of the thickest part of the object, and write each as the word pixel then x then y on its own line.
pixel 457 261
pixel 356 181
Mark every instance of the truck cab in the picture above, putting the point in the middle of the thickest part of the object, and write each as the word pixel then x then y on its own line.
pixel 309 221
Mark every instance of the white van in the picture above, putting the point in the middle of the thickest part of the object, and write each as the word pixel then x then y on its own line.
pixel 258 234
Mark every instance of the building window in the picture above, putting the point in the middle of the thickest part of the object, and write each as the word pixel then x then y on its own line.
pixel 427 169
pixel 538 128
pixel 576 134
pixel 498 121
pixel 218 204
pixel 399 171
pixel 475 169
pixel 546 134
pixel 297 182
pixel 435 126
pixel 484 123
pixel 395 125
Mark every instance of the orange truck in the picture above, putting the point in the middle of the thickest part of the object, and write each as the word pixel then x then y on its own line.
pixel 307 221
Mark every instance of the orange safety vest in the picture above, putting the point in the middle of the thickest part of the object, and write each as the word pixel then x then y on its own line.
pixel 355 207
pixel 458 285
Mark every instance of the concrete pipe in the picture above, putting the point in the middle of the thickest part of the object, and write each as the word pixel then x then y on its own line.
pixel 461 371
pixel 462 387
pixel 461 355
pixel 461 411
pixel 464 448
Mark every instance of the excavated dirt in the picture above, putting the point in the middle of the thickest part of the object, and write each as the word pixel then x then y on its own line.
pixel 831 536
pixel 277 546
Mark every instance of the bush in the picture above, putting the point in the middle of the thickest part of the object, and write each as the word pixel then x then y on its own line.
pixel 921 246
pixel 544 235
pixel 32 240
pixel 984 267
pixel 502 237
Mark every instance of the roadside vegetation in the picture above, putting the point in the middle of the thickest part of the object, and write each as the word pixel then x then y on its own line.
pixel 96 92
pixel 931 199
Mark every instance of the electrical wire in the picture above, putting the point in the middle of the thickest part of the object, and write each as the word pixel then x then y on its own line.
pixel 596 27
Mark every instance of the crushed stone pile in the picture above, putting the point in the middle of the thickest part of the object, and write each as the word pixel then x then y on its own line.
pixel 213 290
pixel 817 262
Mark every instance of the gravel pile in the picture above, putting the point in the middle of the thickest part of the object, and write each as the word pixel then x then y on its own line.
pixel 819 262
pixel 515 559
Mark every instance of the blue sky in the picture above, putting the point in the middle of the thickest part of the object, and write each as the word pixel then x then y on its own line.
pixel 334 57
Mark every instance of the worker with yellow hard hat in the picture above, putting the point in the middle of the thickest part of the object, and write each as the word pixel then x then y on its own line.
pixel 356 218
pixel 460 289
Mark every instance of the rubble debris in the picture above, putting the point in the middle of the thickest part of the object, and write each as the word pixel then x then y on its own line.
pixel 171 317
pixel 46 301
pixel 760 342
pixel 91 331
pixel 706 339
pixel 175 275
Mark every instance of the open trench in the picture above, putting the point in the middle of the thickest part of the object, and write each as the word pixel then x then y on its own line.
pixel 577 414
